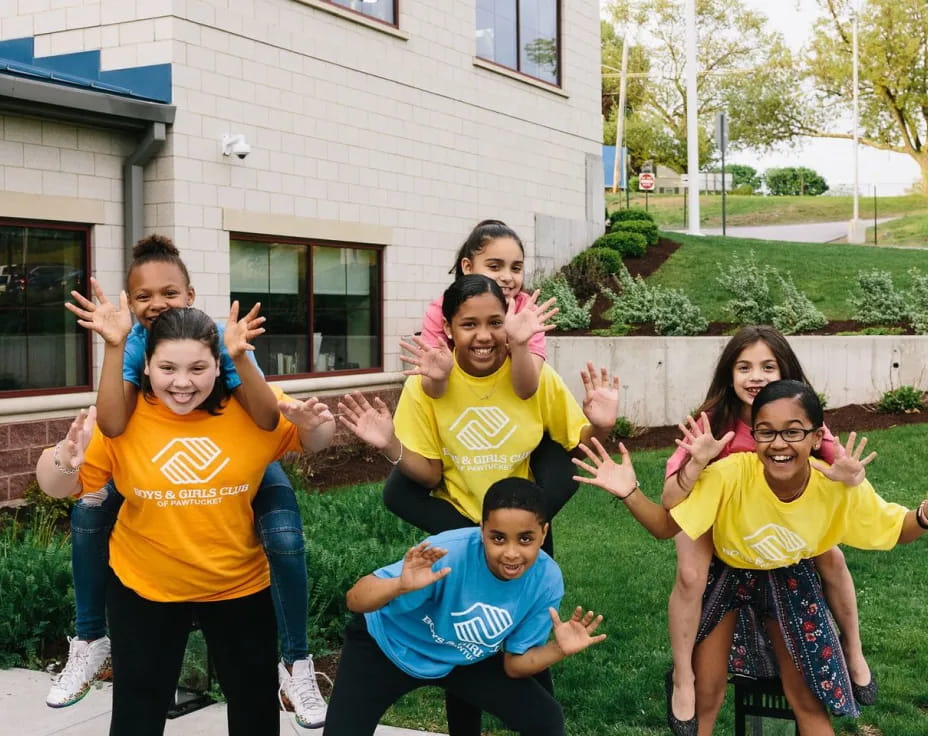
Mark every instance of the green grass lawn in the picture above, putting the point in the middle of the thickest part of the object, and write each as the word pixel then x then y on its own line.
pixel 756 210
pixel 908 230
pixel 825 272
pixel 613 566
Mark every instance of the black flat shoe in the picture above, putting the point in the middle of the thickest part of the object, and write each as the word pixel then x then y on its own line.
pixel 678 727
pixel 865 694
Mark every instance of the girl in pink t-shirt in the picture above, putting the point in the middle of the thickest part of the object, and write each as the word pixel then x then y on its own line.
pixel 754 357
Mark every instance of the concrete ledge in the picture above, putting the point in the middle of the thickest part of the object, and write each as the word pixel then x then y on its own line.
pixel 664 378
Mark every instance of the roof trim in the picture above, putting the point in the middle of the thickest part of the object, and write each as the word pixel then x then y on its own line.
pixel 36 98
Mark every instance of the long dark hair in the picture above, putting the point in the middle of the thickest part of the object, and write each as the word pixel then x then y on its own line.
pixel 187 324
pixel 721 403
pixel 464 288
pixel 483 233
pixel 157 248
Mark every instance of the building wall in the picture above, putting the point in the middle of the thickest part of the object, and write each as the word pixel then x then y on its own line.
pixel 359 133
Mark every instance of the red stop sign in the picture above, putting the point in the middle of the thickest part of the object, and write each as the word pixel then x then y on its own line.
pixel 646 182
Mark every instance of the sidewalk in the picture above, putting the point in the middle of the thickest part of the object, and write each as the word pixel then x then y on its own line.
pixel 22 702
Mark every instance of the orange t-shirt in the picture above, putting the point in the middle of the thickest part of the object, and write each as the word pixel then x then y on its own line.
pixel 186 530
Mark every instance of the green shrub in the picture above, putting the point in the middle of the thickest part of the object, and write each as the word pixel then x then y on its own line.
pixel 586 272
pixel 632 213
pixel 872 331
pixel 623 429
pixel 822 399
pixel 571 314
pixel 627 244
pixel 877 300
pixel 917 301
pixel 607 260
pixel 632 301
pixel 746 280
pixel 644 227
pixel 796 312
pixel 669 310
pixel 905 399
pixel 743 190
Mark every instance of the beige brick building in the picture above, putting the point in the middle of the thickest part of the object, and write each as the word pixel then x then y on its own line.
pixel 379 133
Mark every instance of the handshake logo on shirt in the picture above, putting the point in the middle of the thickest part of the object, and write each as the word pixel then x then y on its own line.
pixel 191 460
pixel 483 428
pixel 484 624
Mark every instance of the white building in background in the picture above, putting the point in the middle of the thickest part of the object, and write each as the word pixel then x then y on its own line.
pixel 377 134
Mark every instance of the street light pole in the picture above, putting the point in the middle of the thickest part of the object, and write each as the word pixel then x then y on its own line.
pixel 620 116
pixel 692 121
pixel 856 232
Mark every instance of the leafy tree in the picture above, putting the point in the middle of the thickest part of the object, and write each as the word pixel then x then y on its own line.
pixel 735 71
pixel 795 180
pixel 742 175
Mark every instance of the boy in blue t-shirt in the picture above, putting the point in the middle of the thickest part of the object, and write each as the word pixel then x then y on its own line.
pixel 469 610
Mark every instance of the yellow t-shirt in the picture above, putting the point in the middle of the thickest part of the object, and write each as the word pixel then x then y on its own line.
pixel 186 530
pixel 482 431
pixel 752 528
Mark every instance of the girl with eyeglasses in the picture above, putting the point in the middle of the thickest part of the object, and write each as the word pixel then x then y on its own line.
pixel 754 357
pixel 771 512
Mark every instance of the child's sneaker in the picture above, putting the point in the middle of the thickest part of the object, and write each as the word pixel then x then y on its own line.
pixel 88 661
pixel 300 690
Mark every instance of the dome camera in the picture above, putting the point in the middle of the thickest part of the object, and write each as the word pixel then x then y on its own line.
pixel 235 145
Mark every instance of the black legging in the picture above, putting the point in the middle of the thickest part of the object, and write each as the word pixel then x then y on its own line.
pixel 368 683
pixel 553 472
pixel 148 642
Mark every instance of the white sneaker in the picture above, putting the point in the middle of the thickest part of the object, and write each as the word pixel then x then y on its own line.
pixel 88 661
pixel 300 690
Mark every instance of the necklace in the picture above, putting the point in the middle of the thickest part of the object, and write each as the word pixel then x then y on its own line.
pixel 485 395
pixel 797 494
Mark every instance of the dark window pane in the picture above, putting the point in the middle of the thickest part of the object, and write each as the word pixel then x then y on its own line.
pixel 496 31
pixel 380 9
pixel 346 313
pixel 538 54
pixel 41 345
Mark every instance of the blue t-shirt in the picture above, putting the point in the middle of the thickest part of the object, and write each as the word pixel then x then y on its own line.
pixel 133 358
pixel 469 614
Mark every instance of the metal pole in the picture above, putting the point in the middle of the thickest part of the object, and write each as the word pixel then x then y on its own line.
pixel 722 138
pixel 645 200
pixel 856 118
pixel 874 214
pixel 620 118
pixel 685 195
pixel 692 121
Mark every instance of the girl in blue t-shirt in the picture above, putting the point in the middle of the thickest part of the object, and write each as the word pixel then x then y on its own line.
pixel 469 610
pixel 158 280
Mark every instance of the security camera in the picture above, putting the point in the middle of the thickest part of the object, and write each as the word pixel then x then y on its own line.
pixel 235 144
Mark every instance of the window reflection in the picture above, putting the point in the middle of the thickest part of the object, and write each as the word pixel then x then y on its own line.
pixel 384 10
pixel 521 35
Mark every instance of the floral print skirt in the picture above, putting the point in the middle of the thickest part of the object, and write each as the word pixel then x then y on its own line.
pixel 793 597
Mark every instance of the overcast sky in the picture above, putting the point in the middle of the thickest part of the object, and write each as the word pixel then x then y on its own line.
pixel 891 173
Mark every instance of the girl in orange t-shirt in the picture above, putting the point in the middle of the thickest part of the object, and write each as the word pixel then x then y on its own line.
pixel 189 464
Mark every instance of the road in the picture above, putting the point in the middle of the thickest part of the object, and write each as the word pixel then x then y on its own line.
pixel 808 232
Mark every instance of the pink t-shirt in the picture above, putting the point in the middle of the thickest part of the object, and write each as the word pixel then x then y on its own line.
pixel 743 442
pixel 433 321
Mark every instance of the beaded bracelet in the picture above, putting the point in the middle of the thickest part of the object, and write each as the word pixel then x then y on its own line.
pixel 397 461
pixel 63 469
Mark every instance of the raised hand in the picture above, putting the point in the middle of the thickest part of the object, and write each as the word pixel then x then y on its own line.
pixel 531 319
pixel 72 448
pixel 431 361
pixel 110 322
pixel 617 478
pixel 848 467
pixel 307 414
pixel 371 423
pixel 576 633
pixel 601 399
pixel 417 567
pixel 699 442
pixel 240 332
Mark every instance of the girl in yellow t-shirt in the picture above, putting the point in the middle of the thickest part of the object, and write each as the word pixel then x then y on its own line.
pixel 189 464
pixel 752 358
pixel 770 511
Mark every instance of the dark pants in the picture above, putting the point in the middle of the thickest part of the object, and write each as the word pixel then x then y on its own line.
pixel 368 683
pixel 148 642
pixel 553 472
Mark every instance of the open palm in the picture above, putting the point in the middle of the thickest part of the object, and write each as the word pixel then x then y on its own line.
pixel 417 570
pixel 111 322
pixel 372 423
pixel 431 361
pixel 601 397
pixel 576 633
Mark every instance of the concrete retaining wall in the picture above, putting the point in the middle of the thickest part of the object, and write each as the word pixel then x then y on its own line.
pixel 664 378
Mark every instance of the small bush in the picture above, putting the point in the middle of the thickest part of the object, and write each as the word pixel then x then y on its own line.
pixel 644 227
pixel 608 260
pixel 669 310
pixel 571 314
pixel 877 300
pixel 905 399
pixel 632 302
pixel 796 313
pixel 918 301
pixel 632 213
pixel 743 190
pixel 873 331
pixel 746 280
pixel 627 244
pixel 623 429
pixel 586 272
pixel 822 399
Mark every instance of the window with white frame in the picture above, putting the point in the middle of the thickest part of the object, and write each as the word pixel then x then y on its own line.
pixel 322 302
pixel 521 35
pixel 42 348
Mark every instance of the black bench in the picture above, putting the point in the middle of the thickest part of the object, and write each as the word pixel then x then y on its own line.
pixel 757 699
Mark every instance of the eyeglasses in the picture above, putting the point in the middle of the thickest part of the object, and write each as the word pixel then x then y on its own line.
pixel 790 434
